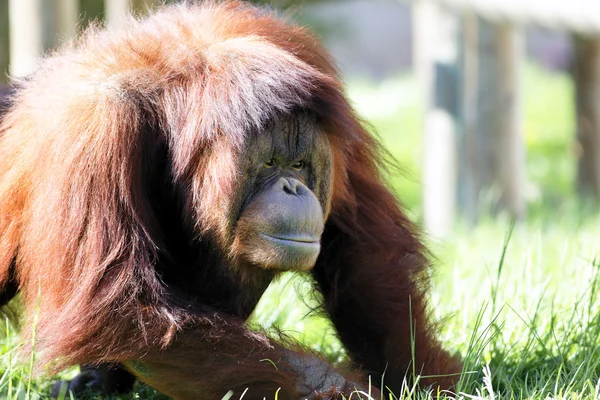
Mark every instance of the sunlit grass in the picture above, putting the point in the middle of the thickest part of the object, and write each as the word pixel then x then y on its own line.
pixel 532 318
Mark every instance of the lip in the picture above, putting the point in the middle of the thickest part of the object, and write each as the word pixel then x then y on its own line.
pixel 293 239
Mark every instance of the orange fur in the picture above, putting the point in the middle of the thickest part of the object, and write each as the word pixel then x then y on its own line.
pixel 76 219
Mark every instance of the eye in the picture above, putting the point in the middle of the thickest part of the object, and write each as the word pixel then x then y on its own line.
pixel 298 165
pixel 271 163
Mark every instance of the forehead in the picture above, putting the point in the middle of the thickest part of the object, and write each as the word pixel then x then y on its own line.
pixel 287 135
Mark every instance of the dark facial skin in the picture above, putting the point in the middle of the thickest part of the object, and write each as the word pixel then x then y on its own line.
pixel 287 179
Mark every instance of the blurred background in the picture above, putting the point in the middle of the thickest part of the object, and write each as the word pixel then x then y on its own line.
pixel 489 106
pixel 491 111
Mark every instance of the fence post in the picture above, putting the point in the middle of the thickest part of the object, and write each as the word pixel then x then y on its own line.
pixel 509 149
pixel 491 171
pixel 467 182
pixel 436 63
pixel 26 33
pixel 66 14
pixel 117 12
pixel 587 86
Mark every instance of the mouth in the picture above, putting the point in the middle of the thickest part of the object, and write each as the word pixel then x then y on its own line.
pixel 293 240
pixel 297 252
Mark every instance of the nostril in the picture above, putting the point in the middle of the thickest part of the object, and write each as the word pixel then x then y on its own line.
pixel 287 188
pixel 291 186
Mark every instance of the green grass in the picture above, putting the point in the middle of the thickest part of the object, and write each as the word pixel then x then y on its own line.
pixel 531 318
pixel 522 313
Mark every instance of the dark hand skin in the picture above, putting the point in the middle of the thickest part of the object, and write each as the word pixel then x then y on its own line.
pixel 104 379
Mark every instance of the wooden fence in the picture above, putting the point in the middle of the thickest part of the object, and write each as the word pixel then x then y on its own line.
pixel 468 55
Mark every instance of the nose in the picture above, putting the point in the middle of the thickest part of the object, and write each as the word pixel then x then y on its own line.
pixel 292 186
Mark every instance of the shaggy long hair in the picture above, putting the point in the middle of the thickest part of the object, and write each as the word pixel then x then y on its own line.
pixel 78 155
